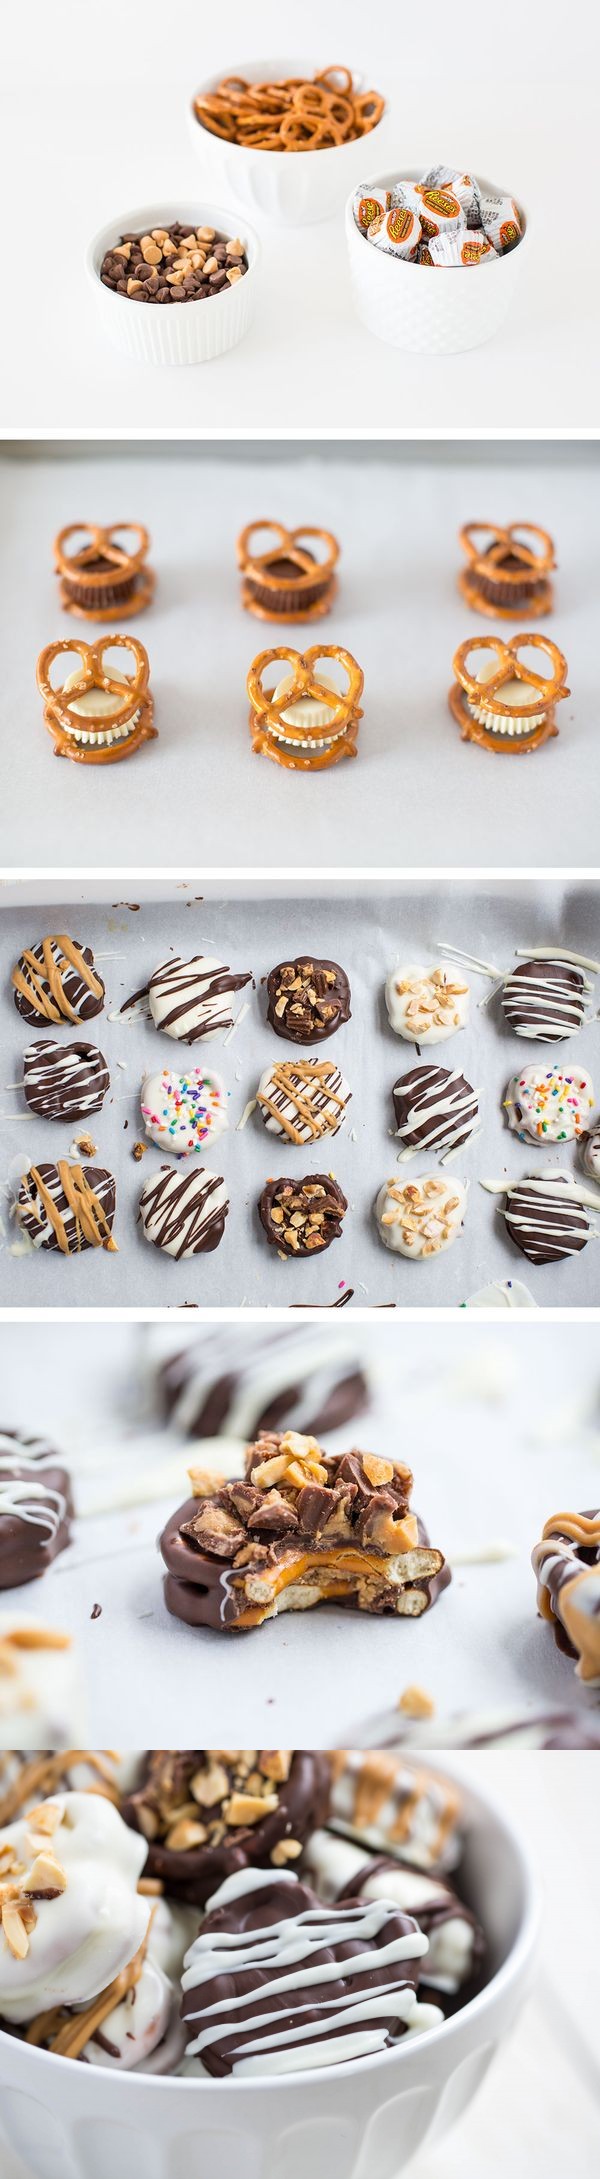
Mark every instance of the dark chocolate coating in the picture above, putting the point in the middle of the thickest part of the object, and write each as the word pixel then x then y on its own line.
pixel 344 1396
pixel 182 1204
pixel 545 1229
pixel 316 1198
pixel 27 1544
pixel 64 1081
pixel 77 994
pixel 310 2003
pixel 430 1915
pixel 418 1097
pixel 193 1874
pixel 314 1012
pixel 216 1549
pixel 545 1000
pixel 100 1181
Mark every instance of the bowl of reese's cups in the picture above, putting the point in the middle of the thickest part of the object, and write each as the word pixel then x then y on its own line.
pixel 434 257
pixel 288 138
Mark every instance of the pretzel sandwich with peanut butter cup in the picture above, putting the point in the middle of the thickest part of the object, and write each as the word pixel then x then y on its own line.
pixel 503 705
pixel 508 569
pixel 287 580
pixel 305 723
pixel 100 574
pixel 97 715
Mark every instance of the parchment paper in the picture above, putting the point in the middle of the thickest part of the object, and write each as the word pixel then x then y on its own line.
pixel 367 931
pixel 416 795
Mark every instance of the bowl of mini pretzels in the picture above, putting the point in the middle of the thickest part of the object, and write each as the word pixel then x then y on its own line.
pixel 286 137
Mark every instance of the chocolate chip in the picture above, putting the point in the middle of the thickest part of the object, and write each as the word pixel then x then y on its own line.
pixel 123 272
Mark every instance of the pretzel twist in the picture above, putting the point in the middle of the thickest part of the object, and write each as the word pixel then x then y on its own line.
pixel 512 668
pixel 132 702
pixel 102 545
pixel 537 563
pixel 286 546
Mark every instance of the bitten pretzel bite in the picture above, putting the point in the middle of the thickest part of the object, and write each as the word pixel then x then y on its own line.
pixel 302 1528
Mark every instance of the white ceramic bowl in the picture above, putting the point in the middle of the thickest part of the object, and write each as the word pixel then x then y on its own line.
pixel 194 332
pixel 433 309
pixel 361 2121
pixel 296 188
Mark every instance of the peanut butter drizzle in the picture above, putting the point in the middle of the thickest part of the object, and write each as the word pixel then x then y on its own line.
pixel 374 1786
pixel 581 1528
pixel 53 1004
pixel 45 1772
pixel 302 1070
pixel 67 2033
pixel 90 1219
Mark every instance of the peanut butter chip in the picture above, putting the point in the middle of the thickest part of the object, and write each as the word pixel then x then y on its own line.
pixel 415 1702
pixel 286 1850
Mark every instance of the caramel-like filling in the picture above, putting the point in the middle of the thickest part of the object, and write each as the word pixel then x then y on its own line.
pixel 339 1570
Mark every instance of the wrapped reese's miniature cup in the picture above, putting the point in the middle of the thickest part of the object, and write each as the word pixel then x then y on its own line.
pixel 398 232
pixel 501 221
pixel 369 206
pixel 464 248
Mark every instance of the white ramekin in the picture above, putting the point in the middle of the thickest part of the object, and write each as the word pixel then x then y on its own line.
pixel 434 309
pixel 364 2121
pixel 193 332
pixel 296 188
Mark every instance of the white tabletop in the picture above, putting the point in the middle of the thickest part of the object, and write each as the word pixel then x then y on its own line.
pixel 94 122
pixel 492 1421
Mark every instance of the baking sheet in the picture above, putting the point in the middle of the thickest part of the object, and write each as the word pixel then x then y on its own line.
pixel 368 932
pixel 493 1423
pixel 416 796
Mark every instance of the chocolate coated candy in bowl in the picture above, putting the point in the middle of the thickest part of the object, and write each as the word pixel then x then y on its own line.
pixel 277 1982
pixel 239 1809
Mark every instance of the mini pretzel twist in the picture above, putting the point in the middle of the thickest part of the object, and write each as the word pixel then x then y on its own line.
pixel 102 545
pixel 287 547
pixel 506 541
pixel 305 683
pixel 512 668
pixel 295 114
pixel 93 676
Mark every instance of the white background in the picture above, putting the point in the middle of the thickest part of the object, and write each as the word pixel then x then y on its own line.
pixel 369 934
pixel 94 122
pixel 415 795
pixel 492 1422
